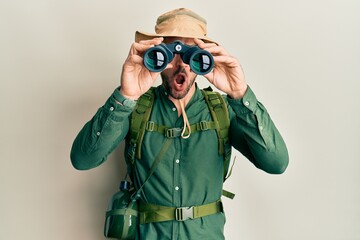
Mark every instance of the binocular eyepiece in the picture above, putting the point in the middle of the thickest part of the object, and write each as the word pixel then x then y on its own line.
pixel 156 58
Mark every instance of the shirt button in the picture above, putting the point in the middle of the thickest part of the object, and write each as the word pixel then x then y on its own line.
pixel 112 109
pixel 98 133
pixel 261 128
pixel 247 103
pixel 176 188
pixel 177 161
pixel 174 109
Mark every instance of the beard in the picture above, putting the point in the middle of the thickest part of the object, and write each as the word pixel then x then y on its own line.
pixel 168 81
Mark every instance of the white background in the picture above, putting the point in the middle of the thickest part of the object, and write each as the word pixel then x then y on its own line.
pixel 60 60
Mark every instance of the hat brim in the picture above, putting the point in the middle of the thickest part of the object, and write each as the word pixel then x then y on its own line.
pixel 139 36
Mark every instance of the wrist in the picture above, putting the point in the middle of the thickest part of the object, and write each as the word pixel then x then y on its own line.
pixel 128 96
pixel 123 100
pixel 238 93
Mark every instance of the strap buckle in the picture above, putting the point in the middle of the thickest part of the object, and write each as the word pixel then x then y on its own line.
pixel 184 213
pixel 173 132
pixel 150 126
pixel 204 126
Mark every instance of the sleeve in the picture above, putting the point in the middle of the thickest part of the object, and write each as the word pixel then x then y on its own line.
pixel 102 134
pixel 253 133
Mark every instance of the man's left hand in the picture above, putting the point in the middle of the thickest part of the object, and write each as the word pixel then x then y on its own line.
pixel 227 75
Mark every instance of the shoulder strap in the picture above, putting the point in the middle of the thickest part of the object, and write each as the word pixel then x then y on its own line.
pixel 220 115
pixel 139 118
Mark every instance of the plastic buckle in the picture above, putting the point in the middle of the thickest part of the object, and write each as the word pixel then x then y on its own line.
pixel 173 132
pixel 184 213
pixel 150 126
pixel 204 125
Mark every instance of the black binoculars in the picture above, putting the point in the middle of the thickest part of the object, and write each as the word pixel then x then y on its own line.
pixel 156 58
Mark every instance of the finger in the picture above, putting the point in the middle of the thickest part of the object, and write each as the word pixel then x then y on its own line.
pixel 224 59
pixel 217 50
pixel 142 46
pixel 213 48
pixel 153 41
pixel 203 44
pixel 136 59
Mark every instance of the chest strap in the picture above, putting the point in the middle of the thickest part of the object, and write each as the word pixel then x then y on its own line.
pixel 172 132
pixel 149 213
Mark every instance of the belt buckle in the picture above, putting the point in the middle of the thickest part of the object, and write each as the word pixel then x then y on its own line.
pixel 184 213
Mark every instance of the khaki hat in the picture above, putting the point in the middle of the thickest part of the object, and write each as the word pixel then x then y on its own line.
pixel 180 22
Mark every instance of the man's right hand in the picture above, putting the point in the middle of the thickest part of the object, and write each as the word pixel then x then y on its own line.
pixel 136 79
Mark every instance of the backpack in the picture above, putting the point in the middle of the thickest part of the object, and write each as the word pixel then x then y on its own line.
pixel 140 123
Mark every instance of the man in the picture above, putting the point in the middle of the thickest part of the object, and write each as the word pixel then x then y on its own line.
pixel 191 170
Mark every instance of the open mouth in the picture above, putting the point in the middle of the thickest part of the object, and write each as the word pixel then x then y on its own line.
pixel 179 79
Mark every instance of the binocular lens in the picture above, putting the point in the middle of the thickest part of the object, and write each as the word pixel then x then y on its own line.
pixel 155 60
pixel 201 63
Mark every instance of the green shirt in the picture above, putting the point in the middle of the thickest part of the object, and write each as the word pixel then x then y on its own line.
pixel 191 171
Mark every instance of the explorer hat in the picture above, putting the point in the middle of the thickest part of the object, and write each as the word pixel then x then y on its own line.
pixel 180 22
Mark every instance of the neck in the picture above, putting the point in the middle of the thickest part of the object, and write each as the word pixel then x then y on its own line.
pixel 185 99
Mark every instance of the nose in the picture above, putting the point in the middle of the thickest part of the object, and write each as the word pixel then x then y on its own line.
pixel 178 62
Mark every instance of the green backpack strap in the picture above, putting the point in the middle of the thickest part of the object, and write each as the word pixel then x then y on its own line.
pixel 140 116
pixel 220 116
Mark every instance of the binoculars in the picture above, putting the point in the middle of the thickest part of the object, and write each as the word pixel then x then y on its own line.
pixel 156 58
